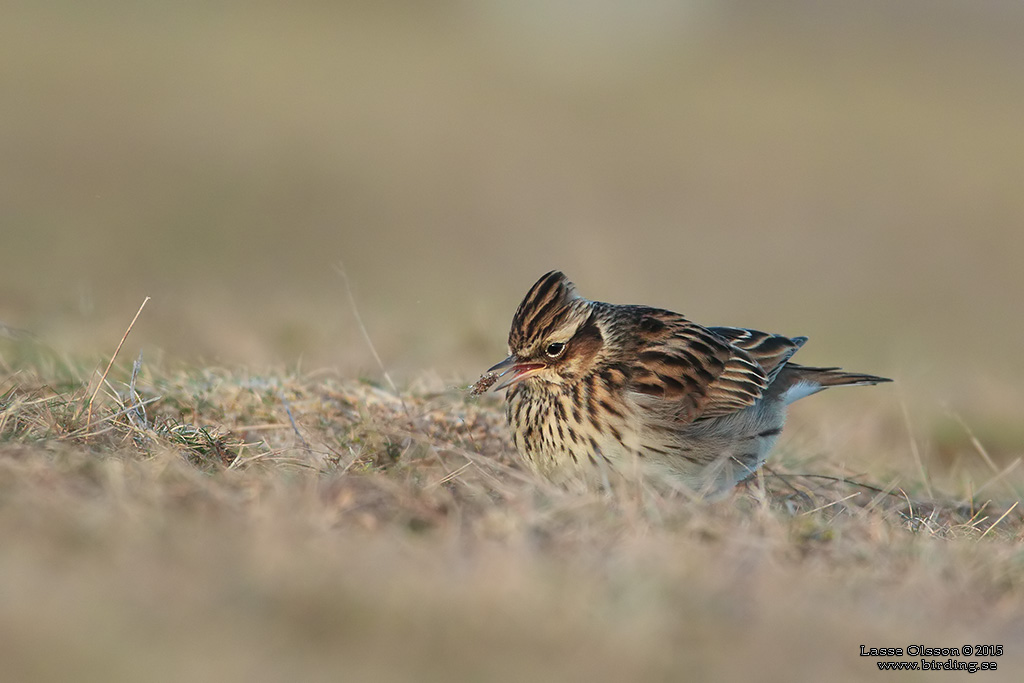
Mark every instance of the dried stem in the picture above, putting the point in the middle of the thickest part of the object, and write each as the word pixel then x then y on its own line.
pixel 103 378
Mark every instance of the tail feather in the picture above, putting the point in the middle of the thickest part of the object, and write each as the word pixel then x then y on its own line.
pixel 797 381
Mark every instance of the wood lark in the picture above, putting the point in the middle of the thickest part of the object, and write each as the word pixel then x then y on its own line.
pixel 598 391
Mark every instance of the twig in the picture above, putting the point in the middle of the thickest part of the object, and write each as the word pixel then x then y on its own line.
pixel 84 431
pixel 288 409
pixel 974 441
pixel 137 408
pixel 88 419
pixel 838 480
pixel 451 475
pixel 974 515
pixel 340 267
pixel 1001 518
pixel 909 503
pixel 914 450
pixel 1006 470
pixel 986 457
pixel 784 478
pixel 261 427
pixel 881 494
pixel 834 502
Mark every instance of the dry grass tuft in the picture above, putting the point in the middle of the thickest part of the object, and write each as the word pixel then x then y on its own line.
pixel 281 524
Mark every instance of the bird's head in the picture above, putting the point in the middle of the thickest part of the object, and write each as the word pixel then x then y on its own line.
pixel 555 335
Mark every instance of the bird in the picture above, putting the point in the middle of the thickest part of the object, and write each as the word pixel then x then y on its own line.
pixel 599 392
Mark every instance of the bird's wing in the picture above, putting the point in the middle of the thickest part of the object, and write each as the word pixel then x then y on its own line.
pixel 770 351
pixel 702 372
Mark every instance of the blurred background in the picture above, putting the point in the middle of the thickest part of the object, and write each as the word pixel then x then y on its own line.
pixel 853 172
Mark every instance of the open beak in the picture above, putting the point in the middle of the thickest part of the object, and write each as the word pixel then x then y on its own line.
pixel 513 370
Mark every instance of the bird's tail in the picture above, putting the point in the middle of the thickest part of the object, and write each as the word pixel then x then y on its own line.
pixel 798 381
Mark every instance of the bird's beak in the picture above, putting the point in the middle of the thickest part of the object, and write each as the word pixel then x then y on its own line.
pixel 515 370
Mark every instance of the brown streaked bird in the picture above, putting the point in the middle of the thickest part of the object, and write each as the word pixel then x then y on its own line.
pixel 598 391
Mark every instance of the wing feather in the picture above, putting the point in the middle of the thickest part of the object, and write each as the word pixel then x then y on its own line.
pixel 770 351
pixel 704 372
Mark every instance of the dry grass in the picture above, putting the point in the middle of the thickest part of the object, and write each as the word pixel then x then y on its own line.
pixel 218 523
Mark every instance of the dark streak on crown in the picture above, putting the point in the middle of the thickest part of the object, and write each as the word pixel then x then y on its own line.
pixel 543 309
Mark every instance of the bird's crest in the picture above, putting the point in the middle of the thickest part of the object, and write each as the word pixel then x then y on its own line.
pixel 546 307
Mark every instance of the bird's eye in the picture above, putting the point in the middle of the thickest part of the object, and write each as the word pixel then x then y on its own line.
pixel 555 349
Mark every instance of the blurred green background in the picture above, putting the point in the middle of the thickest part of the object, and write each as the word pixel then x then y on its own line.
pixel 853 172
